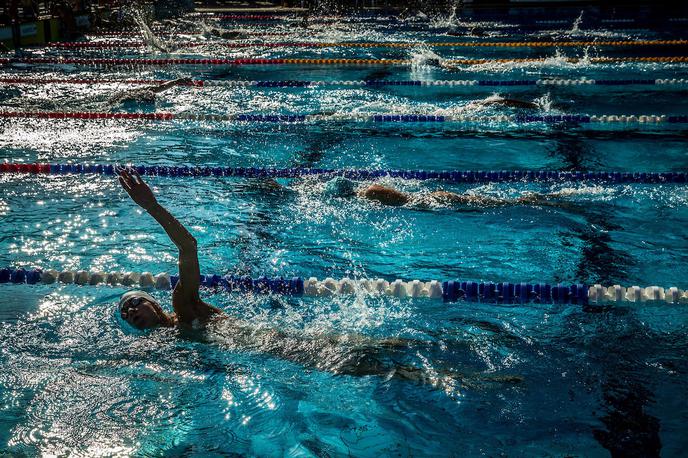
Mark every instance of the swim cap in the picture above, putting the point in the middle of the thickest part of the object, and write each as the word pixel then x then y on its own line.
pixel 132 294
pixel 340 187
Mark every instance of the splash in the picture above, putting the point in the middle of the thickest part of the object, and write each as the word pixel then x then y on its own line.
pixel 544 102
pixel 599 192
pixel 450 21
pixel 154 43
pixel 576 24
pixel 576 32
pixel 423 59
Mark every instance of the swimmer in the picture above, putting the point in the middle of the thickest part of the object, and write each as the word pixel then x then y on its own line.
pixel 343 187
pixel 140 309
pixel 343 354
pixel 510 103
pixel 146 94
pixel 225 34
pixel 473 32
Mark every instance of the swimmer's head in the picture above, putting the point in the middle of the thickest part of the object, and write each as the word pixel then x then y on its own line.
pixel 340 187
pixel 142 311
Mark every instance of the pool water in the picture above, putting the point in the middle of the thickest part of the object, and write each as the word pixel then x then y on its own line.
pixel 499 380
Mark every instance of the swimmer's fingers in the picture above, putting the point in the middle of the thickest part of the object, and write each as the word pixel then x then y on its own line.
pixel 132 176
pixel 124 184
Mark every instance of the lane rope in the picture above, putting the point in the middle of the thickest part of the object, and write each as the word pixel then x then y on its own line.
pixel 457 176
pixel 448 291
pixel 360 118
pixel 109 33
pixel 302 61
pixel 373 83
pixel 381 44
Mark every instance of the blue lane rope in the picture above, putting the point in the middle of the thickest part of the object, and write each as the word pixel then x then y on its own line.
pixel 368 83
pixel 572 120
pixel 451 291
pixel 457 176
pixel 509 83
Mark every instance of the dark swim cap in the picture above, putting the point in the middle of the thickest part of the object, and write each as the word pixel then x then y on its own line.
pixel 340 187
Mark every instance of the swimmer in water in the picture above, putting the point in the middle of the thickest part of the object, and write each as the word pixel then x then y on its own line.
pixel 146 94
pixel 344 354
pixel 140 309
pixel 225 34
pixel 511 103
pixel 343 187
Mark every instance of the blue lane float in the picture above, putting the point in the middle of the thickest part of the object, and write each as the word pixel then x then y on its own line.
pixel 453 83
pixel 448 291
pixel 456 176
pixel 451 291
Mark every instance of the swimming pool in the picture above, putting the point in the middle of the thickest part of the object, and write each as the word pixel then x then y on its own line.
pixel 529 379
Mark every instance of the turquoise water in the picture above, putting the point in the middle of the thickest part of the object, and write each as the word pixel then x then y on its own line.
pixel 537 379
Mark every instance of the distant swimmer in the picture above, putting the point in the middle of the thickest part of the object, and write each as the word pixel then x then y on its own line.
pixel 146 94
pixel 511 103
pixel 473 32
pixel 208 30
pixel 343 187
pixel 340 187
pixel 225 34
pixel 345 354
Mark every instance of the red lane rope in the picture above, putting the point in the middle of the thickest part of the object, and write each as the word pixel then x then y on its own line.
pixel 368 44
pixel 193 44
pixel 188 61
pixel 247 17
pixel 129 61
pixel 91 81
pixel 84 115
pixel 165 34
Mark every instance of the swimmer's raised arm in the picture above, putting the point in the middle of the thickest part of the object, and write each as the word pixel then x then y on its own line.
pixel 186 300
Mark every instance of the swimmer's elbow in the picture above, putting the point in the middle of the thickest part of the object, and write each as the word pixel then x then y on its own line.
pixel 189 245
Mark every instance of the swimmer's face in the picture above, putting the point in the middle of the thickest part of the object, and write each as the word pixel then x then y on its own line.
pixel 141 313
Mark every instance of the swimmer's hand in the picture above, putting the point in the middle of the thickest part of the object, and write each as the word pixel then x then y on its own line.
pixel 137 189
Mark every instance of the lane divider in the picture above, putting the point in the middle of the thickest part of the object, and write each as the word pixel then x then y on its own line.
pixel 448 291
pixel 360 118
pixel 373 83
pixel 94 81
pixel 160 33
pixel 319 61
pixel 377 44
pixel 247 17
pixel 457 176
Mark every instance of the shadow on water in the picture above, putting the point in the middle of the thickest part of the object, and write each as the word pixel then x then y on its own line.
pixel 630 431
pixel 258 236
pixel 599 261
pixel 316 147
pixel 621 348
pixel 377 75
pixel 574 153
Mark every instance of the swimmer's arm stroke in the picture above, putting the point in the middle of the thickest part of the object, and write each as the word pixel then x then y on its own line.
pixel 186 300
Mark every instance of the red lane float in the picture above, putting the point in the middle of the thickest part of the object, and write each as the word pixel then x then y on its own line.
pixel 85 115
pixel 247 17
pixel 37 168
pixel 91 81
pixel 190 44
pixel 102 33
pixel 132 61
